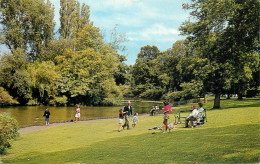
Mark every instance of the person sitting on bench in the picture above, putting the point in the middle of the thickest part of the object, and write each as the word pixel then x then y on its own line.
pixel 192 116
pixel 200 110
pixel 152 112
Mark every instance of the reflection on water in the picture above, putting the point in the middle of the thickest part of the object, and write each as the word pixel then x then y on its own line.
pixel 33 115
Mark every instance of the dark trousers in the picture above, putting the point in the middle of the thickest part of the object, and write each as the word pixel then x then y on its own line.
pixel 189 119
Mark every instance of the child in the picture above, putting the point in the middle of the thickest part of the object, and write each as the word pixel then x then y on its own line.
pixel 47 115
pixel 135 118
pixel 77 115
pixel 121 117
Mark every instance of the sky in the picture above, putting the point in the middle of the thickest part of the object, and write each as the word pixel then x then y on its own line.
pixel 144 22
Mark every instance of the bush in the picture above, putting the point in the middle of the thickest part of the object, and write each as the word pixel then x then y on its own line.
pixel 5 97
pixel 32 102
pixel 155 93
pixel 59 101
pixel 8 131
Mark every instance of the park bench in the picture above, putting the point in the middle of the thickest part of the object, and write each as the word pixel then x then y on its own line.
pixel 181 116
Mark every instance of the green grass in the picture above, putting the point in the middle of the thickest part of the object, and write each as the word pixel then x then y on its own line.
pixel 231 135
pixel 224 103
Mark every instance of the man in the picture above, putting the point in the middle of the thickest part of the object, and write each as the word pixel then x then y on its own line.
pixel 192 116
pixel 128 112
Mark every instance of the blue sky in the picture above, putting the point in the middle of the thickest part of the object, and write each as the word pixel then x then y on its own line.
pixel 144 22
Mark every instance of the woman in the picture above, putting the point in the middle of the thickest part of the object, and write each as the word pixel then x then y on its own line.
pixel 166 112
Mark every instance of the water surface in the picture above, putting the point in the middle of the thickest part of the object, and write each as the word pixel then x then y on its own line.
pixel 33 115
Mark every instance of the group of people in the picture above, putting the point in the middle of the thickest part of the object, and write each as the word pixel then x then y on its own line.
pixel 47 114
pixel 195 115
pixel 126 112
pixel 154 109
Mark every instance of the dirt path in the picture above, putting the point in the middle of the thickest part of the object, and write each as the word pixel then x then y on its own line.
pixel 36 128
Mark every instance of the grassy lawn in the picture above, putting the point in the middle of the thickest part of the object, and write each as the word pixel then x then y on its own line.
pixel 231 135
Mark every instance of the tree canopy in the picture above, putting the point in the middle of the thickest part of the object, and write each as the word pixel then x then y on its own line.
pixel 76 68
pixel 219 55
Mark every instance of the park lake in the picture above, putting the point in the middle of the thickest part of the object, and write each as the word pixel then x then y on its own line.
pixel 33 115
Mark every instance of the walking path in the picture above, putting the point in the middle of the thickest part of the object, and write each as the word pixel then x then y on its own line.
pixel 36 128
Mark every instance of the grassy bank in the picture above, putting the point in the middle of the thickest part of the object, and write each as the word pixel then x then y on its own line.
pixel 230 135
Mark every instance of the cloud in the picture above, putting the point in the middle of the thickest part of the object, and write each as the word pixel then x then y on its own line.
pixel 158 31
pixel 100 5
pixel 145 22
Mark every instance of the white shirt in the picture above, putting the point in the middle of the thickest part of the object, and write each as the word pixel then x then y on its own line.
pixel 194 113
pixel 200 112
pixel 200 109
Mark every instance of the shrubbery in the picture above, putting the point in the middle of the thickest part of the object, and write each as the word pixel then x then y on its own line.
pixel 59 101
pixel 8 131
pixel 5 98
pixel 155 93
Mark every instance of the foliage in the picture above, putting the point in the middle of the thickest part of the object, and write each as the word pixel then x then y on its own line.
pixel 27 24
pixel 56 47
pixel 5 97
pixel 126 91
pixel 44 77
pixel 8 131
pixel 77 68
pixel 224 40
pixel 72 18
pixel 189 90
pixel 59 101
pixel 117 40
pixel 153 93
pixel 220 55
pixel 14 77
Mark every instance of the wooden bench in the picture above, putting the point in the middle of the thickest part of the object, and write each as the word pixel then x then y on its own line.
pixel 180 117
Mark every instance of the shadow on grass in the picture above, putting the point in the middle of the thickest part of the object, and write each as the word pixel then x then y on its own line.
pixel 235 103
pixel 231 144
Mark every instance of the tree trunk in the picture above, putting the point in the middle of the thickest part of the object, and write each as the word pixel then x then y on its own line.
pixel 239 96
pixel 217 101
pixel 205 99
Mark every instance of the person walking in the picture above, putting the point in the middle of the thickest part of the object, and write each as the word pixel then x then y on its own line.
pixel 47 116
pixel 120 121
pixel 135 119
pixel 166 112
pixel 128 111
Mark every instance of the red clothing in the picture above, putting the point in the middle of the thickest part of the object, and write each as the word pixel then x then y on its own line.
pixel 168 109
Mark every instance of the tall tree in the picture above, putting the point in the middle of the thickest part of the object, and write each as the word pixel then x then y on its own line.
pixel 14 77
pixel 145 74
pixel 27 24
pixel 72 18
pixel 244 29
pixel 225 33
